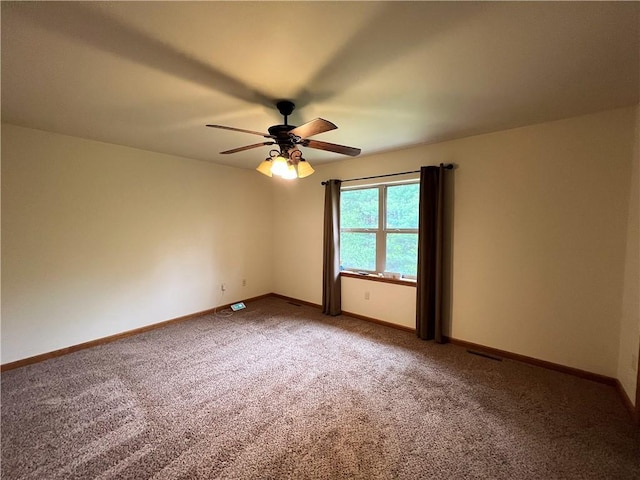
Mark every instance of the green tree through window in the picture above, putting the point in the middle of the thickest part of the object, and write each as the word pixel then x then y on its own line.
pixel 379 228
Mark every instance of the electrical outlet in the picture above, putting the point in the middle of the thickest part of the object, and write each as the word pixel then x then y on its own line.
pixel 366 295
pixel 244 282
pixel 223 287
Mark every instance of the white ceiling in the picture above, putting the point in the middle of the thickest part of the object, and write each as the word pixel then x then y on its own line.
pixel 390 74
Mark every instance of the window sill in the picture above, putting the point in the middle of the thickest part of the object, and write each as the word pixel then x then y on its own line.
pixel 376 278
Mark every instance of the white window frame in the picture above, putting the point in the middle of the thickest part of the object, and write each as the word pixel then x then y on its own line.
pixel 382 231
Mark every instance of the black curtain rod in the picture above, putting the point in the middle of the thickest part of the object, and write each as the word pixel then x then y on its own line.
pixel 448 167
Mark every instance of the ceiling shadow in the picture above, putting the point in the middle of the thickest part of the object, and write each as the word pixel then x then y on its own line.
pixel 373 46
pixel 81 22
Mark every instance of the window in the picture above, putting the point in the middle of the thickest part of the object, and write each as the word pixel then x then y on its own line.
pixel 379 228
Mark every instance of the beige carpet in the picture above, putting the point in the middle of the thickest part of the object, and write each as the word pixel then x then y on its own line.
pixel 280 391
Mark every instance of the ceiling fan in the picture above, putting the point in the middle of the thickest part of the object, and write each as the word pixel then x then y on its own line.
pixel 287 162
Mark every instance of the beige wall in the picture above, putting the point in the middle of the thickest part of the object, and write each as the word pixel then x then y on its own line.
pixel 402 311
pixel 539 234
pixel 630 321
pixel 99 239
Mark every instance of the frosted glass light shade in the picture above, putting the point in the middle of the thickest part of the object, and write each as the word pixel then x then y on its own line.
pixel 279 166
pixel 291 173
pixel 304 169
pixel 265 168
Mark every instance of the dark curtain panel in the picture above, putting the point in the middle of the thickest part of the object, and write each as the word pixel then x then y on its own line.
pixel 331 294
pixel 430 254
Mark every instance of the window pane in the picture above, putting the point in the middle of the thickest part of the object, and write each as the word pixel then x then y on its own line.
pixel 358 250
pixel 402 253
pixel 402 206
pixel 359 208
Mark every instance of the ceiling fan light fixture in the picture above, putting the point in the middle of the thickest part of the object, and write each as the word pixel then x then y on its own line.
pixel 265 167
pixel 287 162
pixel 304 168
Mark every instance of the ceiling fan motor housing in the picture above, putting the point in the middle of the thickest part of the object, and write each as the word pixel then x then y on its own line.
pixel 280 134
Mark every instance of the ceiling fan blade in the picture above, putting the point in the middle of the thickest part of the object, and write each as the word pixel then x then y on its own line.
pixel 247 147
pixel 332 147
pixel 314 127
pixel 233 129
